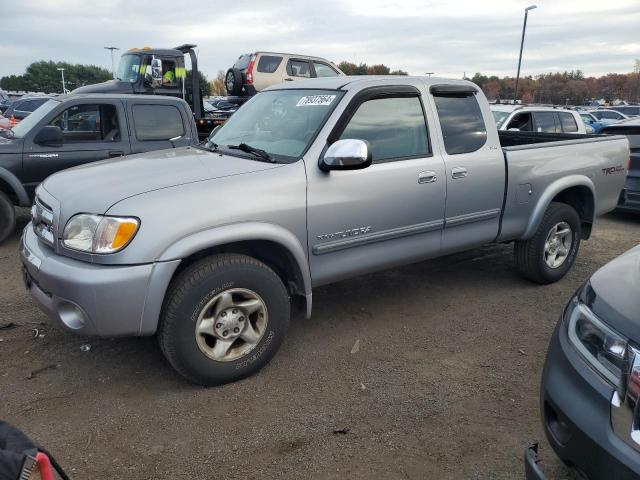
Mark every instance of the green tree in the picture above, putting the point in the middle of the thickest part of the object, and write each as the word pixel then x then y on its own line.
pixel 350 68
pixel 205 86
pixel 44 76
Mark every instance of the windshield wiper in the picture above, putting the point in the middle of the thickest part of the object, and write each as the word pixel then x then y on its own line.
pixel 255 151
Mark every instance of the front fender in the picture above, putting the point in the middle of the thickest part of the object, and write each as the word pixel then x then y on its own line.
pixel 16 185
pixel 549 194
pixel 238 232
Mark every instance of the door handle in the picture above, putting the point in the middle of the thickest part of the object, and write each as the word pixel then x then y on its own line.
pixel 427 177
pixel 288 79
pixel 115 153
pixel 458 172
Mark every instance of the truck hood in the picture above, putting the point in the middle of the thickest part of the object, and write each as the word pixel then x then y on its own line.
pixel 10 145
pixel 110 86
pixel 95 187
pixel 613 292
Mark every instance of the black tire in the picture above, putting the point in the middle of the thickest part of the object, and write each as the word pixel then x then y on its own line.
pixel 7 217
pixel 233 81
pixel 529 254
pixel 188 294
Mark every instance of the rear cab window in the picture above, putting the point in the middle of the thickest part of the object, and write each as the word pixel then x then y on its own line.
pixel 461 121
pixel 395 128
pixel 157 122
pixel 269 63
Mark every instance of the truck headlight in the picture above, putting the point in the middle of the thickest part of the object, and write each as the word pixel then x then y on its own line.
pixel 98 233
pixel 602 347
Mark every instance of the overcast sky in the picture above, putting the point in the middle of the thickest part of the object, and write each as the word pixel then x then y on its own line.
pixel 446 37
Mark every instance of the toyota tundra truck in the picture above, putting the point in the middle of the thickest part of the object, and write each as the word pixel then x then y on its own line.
pixel 212 247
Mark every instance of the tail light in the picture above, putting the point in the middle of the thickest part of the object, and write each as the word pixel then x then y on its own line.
pixel 13 122
pixel 252 62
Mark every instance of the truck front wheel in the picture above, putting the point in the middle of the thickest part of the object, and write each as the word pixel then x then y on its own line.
pixel 7 217
pixel 224 318
pixel 549 254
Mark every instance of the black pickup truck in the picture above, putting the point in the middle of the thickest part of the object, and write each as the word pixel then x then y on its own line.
pixel 74 129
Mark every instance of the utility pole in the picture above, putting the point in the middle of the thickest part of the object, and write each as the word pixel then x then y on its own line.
pixel 524 27
pixel 429 73
pixel 113 68
pixel 64 88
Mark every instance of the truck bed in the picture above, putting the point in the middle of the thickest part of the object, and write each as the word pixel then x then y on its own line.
pixel 538 164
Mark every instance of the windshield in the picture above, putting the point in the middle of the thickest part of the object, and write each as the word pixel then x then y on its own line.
pixel 281 122
pixel 129 68
pixel 22 128
pixel 499 117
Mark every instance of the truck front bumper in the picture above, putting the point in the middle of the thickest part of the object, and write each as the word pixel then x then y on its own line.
pixel 92 299
pixel 576 415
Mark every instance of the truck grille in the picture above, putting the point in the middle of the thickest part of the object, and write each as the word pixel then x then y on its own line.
pixel 42 219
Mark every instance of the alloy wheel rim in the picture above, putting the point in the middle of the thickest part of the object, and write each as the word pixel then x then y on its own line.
pixel 558 245
pixel 231 324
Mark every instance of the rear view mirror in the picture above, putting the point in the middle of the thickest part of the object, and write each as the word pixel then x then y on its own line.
pixel 49 136
pixel 153 73
pixel 156 70
pixel 348 154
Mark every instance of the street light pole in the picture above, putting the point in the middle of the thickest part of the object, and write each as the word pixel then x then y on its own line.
pixel 64 88
pixel 524 27
pixel 113 69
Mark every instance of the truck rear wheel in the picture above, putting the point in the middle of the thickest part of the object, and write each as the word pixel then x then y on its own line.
pixel 7 217
pixel 223 319
pixel 549 254
pixel 233 81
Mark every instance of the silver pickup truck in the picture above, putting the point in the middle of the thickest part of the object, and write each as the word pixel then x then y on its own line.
pixel 212 247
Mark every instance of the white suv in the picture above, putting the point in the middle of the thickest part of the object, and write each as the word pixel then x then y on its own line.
pixel 537 119
pixel 253 72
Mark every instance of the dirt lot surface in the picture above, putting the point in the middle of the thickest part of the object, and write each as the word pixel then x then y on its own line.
pixel 427 371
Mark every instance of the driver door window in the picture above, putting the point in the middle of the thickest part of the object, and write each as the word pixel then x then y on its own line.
pixel 394 127
pixel 89 123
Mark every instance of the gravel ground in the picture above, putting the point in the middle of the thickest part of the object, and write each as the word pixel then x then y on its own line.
pixel 426 371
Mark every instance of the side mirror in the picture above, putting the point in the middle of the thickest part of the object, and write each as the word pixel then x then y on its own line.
pixel 348 154
pixel 49 136
pixel 153 73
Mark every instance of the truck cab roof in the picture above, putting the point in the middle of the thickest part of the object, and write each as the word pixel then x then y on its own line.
pixel 349 82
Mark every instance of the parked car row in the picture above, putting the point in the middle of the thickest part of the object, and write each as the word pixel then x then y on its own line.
pixel 19 109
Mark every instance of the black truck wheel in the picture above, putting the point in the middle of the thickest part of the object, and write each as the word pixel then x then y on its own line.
pixel 233 81
pixel 549 254
pixel 7 217
pixel 223 319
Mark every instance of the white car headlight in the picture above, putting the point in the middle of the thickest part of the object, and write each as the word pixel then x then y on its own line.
pixel 99 234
